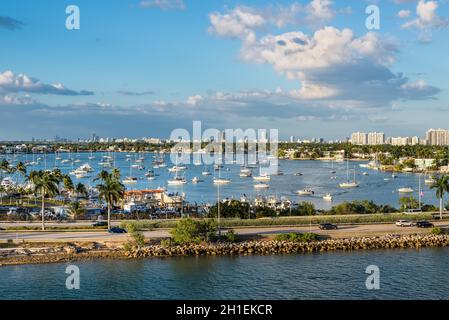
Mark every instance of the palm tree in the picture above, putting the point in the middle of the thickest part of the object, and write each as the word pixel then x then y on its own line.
pixel 21 168
pixel 44 183
pixel 68 184
pixel 76 210
pixel 81 190
pixel 111 190
pixel 442 186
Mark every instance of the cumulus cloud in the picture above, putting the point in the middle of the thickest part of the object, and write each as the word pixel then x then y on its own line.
pixel 12 83
pixel 426 20
pixel 331 66
pixel 404 14
pixel 163 4
pixel 10 23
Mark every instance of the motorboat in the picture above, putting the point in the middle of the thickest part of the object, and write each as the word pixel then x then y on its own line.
pixel 405 190
pixel 327 197
pixel 261 186
pixel 130 180
pixel 262 177
pixel 176 181
pixel 305 192
pixel 196 180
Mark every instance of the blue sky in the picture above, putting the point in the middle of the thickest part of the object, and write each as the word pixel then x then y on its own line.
pixel 143 68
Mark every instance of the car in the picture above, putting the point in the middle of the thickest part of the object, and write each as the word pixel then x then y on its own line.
pixel 100 224
pixel 328 226
pixel 424 224
pixel 404 223
pixel 116 230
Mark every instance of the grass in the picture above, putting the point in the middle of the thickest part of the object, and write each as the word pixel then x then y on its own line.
pixel 291 221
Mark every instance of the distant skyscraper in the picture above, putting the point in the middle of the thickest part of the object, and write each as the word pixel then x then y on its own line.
pixel 359 138
pixel 437 137
pixel 375 138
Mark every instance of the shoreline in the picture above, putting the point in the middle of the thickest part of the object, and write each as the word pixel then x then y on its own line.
pixel 92 251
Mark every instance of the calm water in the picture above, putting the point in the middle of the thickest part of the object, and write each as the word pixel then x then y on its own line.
pixel 404 274
pixel 316 175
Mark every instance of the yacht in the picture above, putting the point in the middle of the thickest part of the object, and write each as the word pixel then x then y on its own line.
pixel 130 180
pixel 261 186
pixel 176 168
pixel 430 181
pixel 262 177
pixel 177 181
pixel 221 181
pixel 196 180
pixel 206 173
pixel 245 172
pixel 327 197
pixel 305 192
pixel 405 190
pixel 298 174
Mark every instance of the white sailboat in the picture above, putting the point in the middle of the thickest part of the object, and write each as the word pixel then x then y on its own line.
pixel 221 180
pixel 349 184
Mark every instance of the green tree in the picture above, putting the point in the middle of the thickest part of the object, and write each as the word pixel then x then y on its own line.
pixel 110 190
pixel 408 203
pixel 193 231
pixel 441 186
pixel 76 210
pixel 45 184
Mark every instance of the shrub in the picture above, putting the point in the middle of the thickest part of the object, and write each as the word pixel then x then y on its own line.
pixel 166 243
pixel 437 231
pixel 231 236
pixel 297 237
pixel 193 231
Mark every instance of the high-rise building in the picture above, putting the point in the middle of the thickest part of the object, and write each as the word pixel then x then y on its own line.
pixel 437 137
pixel 359 138
pixel 375 138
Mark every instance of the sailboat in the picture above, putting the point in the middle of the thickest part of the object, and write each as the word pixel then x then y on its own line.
pixel 348 184
pixel 220 180
pixel 332 171
pixel 177 180
pixel 130 179
pixel 91 157
pixel 206 172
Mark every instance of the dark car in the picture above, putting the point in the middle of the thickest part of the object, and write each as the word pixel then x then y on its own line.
pixel 117 230
pixel 100 224
pixel 328 226
pixel 424 224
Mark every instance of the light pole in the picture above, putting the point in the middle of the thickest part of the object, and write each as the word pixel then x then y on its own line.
pixel 218 210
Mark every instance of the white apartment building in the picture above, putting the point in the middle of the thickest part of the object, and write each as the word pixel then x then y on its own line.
pixel 437 137
pixel 375 138
pixel 359 138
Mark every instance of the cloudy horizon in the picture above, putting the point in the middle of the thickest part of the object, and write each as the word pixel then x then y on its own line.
pixel 144 68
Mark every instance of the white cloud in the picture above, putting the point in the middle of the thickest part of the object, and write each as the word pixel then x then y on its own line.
pixel 238 23
pixel 10 83
pixel 404 14
pixel 426 19
pixel 163 4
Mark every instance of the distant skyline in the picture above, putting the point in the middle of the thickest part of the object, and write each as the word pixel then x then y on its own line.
pixel 145 67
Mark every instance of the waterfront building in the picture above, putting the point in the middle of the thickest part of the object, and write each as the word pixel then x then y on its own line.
pixel 359 138
pixel 376 138
pixel 424 164
pixel 437 137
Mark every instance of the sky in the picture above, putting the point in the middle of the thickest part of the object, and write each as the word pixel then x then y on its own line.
pixel 140 68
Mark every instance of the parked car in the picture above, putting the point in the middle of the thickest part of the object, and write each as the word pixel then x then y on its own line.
pixel 424 224
pixel 404 223
pixel 116 230
pixel 100 224
pixel 328 226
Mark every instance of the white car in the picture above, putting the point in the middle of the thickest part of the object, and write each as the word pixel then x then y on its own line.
pixel 404 223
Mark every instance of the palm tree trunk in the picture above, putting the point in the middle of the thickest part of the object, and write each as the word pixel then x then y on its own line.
pixel 43 212
pixel 441 208
pixel 109 216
